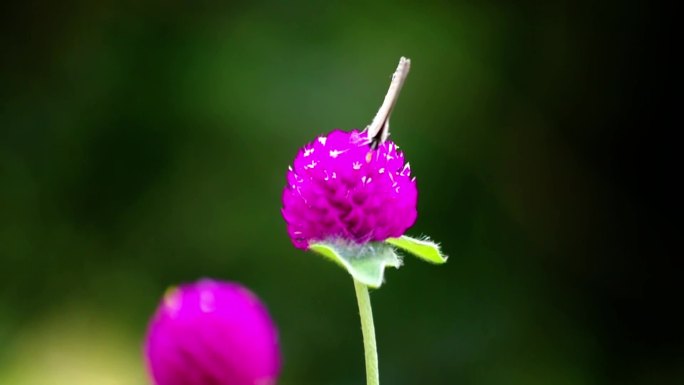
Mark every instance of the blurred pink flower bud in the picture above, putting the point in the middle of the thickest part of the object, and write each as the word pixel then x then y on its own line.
pixel 212 333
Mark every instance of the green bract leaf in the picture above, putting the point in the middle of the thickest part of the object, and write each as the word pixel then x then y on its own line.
pixel 366 263
pixel 423 249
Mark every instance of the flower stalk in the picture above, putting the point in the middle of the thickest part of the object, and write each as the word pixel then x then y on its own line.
pixel 368 330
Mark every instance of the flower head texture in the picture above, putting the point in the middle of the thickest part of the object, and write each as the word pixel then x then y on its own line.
pixel 212 333
pixel 341 188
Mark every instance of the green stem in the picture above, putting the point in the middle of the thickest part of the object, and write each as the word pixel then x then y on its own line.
pixel 368 330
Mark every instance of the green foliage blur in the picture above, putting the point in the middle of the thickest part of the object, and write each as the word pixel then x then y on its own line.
pixel 144 144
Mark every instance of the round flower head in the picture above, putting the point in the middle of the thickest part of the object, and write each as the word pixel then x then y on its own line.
pixel 212 332
pixel 341 188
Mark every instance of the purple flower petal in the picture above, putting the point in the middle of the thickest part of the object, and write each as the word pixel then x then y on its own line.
pixel 340 188
pixel 212 333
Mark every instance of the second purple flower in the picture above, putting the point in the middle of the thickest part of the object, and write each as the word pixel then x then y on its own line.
pixel 212 333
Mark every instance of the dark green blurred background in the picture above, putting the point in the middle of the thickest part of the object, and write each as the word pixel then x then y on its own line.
pixel 143 144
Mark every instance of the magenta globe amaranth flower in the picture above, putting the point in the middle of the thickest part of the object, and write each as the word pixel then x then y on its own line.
pixel 340 187
pixel 212 333
pixel 350 197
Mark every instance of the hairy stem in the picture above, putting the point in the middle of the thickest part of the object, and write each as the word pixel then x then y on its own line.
pixel 368 330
